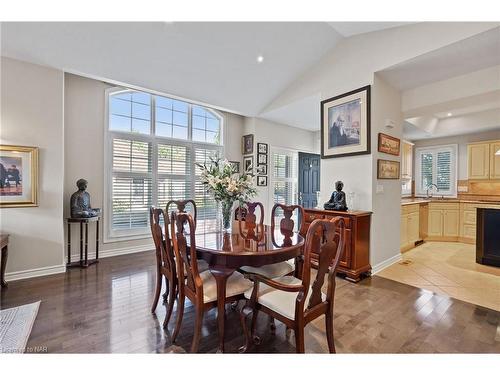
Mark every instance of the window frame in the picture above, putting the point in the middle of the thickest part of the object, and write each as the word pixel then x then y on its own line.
pixel 453 148
pixel 111 235
pixel 272 179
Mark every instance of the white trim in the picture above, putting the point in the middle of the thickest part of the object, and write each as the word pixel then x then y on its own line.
pixel 35 272
pixel 115 252
pixel 386 263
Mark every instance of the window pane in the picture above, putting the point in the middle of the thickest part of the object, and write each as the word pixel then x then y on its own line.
pixel 172 189
pixel 426 170
pixel 141 111
pixel 199 111
pixel 131 201
pixel 199 122
pixel 141 97
pixel 213 125
pixel 180 106
pixel 163 102
pixel 163 115
pixel 173 160
pixel 119 123
pixel 443 178
pixel 179 132
pixel 119 106
pixel 163 130
pixel 198 135
pixel 131 156
pixel 180 119
pixel 140 126
pixel 212 137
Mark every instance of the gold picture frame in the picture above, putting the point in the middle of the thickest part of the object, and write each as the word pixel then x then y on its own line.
pixel 388 169
pixel 18 176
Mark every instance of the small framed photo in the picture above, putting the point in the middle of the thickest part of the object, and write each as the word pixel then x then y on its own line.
pixel 248 164
pixel 261 180
pixel 247 144
pixel 262 169
pixel 388 144
pixel 261 159
pixel 18 176
pixel 387 169
pixel 236 166
pixel 262 148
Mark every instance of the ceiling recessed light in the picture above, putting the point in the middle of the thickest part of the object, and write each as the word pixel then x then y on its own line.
pixel 449 114
pixel 260 59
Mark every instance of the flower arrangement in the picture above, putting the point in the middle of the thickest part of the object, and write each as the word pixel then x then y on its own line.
pixel 226 185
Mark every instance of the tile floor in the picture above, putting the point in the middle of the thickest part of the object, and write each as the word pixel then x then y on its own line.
pixel 448 268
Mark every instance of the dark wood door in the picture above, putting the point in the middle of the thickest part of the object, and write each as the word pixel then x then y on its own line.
pixel 309 179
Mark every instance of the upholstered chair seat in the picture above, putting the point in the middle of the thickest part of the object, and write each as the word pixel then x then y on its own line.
pixel 236 284
pixel 271 271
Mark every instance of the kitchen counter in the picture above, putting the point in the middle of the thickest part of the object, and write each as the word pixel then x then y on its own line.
pixel 408 201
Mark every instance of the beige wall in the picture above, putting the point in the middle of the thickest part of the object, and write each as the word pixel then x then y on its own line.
pixel 32 115
pixel 84 156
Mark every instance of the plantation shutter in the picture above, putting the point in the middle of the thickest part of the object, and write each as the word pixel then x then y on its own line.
pixel 205 204
pixel 285 181
pixel 443 175
pixel 436 165
pixel 426 168
pixel 131 185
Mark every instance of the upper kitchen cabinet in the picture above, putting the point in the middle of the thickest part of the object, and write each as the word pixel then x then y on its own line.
pixel 478 161
pixel 407 160
pixel 494 160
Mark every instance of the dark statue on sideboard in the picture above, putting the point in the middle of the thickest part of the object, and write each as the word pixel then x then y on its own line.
pixel 80 202
pixel 337 201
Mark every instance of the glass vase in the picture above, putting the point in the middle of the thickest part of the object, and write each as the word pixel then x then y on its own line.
pixel 226 215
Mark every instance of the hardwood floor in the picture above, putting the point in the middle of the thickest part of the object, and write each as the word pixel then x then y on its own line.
pixel 105 309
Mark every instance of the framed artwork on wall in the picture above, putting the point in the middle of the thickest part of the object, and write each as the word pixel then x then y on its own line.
pixel 388 169
pixel 262 148
pixel 261 180
pixel 345 124
pixel 262 169
pixel 388 144
pixel 236 166
pixel 248 164
pixel 247 144
pixel 18 176
pixel 261 159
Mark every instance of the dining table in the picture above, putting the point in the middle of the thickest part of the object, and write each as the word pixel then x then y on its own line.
pixel 226 251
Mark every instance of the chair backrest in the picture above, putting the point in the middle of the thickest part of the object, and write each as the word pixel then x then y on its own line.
pixel 161 238
pixel 286 223
pixel 181 207
pixel 185 256
pixel 253 229
pixel 332 232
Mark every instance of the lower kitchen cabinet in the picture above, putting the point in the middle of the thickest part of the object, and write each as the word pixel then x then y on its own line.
pixel 410 226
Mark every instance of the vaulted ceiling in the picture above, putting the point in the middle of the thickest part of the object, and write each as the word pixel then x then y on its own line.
pixel 209 62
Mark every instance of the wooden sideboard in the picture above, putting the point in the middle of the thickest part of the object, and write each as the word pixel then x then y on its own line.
pixel 355 262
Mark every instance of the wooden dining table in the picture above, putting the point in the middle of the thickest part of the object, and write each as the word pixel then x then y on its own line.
pixel 227 251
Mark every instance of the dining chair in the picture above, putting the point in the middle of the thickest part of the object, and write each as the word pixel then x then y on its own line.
pixel 199 287
pixel 269 270
pixel 297 302
pixel 165 262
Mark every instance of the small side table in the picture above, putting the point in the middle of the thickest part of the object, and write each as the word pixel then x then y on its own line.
pixel 84 262
pixel 4 243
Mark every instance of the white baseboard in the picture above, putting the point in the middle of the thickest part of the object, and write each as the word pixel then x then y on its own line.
pixel 75 256
pixel 36 272
pixel 386 263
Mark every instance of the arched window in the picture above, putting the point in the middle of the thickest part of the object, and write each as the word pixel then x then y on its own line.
pixel 152 145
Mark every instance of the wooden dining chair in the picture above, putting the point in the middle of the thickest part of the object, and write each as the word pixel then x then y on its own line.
pixel 165 262
pixel 268 270
pixel 199 287
pixel 181 207
pixel 297 302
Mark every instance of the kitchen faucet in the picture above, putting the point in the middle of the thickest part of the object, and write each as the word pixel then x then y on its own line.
pixel 429 187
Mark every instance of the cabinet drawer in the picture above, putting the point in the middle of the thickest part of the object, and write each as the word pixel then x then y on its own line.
pixel 469 231
pixel 444 206
pixel 309 218
pixel 469 217
pixel 410 208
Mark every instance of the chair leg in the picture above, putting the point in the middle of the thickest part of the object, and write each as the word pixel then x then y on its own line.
pixel 157 291
pixel 245 311
pixel 180 313
pixel 329 331
pixel 197 329
pixel 272 325
pixel 170 305
pixel 167 291
pixel 255 338
pixel 299 339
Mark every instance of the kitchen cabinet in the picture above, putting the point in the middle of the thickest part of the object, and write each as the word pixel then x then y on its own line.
pixel 410 226
pixel 444 221
pixel 407 160
pixel 494 160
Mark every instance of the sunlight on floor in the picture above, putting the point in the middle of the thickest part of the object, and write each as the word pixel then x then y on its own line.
pixel 448 268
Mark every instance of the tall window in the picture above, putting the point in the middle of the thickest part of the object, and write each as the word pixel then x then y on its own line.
pixel 284 177
pixel 153 143
pixel 436 169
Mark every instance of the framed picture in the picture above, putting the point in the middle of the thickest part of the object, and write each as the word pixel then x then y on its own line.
pixel 387 169
pixel 262 148
pixel 261 180
pixel 18 176
pixel 248 164
pixel 236 166
pixel 261 159
pixel 388 144
pixel 345 124
pixel 247 144
pixel 262 169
